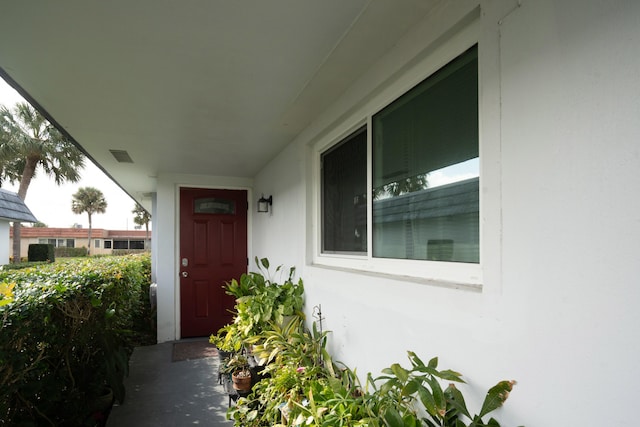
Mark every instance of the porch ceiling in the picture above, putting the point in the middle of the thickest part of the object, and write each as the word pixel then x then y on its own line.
pixel 214 87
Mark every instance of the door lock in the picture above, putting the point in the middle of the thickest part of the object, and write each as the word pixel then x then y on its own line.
pixel 185 274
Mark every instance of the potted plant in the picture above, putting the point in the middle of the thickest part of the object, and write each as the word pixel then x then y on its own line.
pixel 238 366
pixel 227 340
pixel 261 299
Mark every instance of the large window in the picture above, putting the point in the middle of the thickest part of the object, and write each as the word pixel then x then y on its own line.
pixel 58 243
pixel 136 244
pixel 425 168
pixel 425 174
pixel 125 244
pixel 120 244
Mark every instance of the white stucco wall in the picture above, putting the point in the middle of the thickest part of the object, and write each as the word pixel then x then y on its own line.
pixel 284 180
pixel 560 101
pixel 4 237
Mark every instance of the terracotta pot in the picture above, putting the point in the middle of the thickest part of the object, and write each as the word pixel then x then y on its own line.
pixel 241 383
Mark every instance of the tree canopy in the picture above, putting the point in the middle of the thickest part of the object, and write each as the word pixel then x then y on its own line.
pixel 89 200
pixel 141 217
pixel 29 143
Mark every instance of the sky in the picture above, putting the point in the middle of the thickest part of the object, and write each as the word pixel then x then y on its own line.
pixel 51 204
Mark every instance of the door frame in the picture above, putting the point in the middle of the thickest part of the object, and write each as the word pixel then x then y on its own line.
pixel 176 249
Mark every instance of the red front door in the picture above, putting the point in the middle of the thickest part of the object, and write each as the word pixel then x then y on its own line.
pixel 213 250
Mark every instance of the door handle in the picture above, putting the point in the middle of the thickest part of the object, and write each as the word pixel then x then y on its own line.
pixel 185 274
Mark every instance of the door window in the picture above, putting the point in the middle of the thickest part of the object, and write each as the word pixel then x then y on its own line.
pixel 213 205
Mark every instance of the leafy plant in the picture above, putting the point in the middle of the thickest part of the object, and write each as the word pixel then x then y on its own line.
pixel 402 391
pixel 237 363
pixel 295 364
pixel 261 300
pixel 228 338
pixel 301 385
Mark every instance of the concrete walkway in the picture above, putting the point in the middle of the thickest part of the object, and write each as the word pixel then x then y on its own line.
pixel 165 393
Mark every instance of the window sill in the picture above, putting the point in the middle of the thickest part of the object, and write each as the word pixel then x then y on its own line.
pixel 364 267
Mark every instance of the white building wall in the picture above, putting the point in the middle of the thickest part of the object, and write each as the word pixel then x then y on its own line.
pixel 284 179
pixel 4 237
pixel 560 217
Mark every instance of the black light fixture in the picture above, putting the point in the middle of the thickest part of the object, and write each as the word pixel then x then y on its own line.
pixel 263 204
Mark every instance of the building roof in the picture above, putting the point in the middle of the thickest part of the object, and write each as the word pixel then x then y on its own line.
pixel 78 233
pixel 13 208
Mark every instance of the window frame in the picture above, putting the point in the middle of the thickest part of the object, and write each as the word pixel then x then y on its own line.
pixel 439 273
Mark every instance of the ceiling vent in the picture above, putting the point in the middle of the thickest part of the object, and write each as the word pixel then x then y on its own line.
pixel 121 156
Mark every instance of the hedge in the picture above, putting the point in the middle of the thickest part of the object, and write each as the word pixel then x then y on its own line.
pixel 41 252
pixel 67 333
pixel 63 252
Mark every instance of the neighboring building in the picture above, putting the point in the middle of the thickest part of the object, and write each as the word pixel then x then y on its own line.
pixel 12 208
pixel 103 242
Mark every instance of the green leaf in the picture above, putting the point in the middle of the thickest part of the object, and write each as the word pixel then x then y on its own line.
pixel 410 388
pixel 410 420
pixel 392 418
pixel 496 396
pixel 415 360
pixel 455 400
pixel 433 363
pixel 95 301
pixel 400 372
pixel 428 401
pixel 476 422
pixel 388 386
pixel 427 370
pixel 450 375
pixel 265 263
pixel 438 397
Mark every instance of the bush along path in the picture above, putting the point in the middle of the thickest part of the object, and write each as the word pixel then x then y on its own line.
pixel 68 330
pixel 299 384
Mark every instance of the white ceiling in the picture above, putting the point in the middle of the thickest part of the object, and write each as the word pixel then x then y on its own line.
pixel 214 87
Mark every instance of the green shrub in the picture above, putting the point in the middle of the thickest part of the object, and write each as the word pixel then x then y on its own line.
pixel 66 334
pixel 120 252
pixel 21 265
pixel 71 252
pixel 41 252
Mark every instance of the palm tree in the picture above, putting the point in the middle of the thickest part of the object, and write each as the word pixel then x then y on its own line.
pixel 142 217
pixel 28 143
pixel 89 200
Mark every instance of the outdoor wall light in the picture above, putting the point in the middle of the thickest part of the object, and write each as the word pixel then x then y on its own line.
pixel 263 204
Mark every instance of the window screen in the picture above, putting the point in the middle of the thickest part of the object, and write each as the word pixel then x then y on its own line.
pixel 344 200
